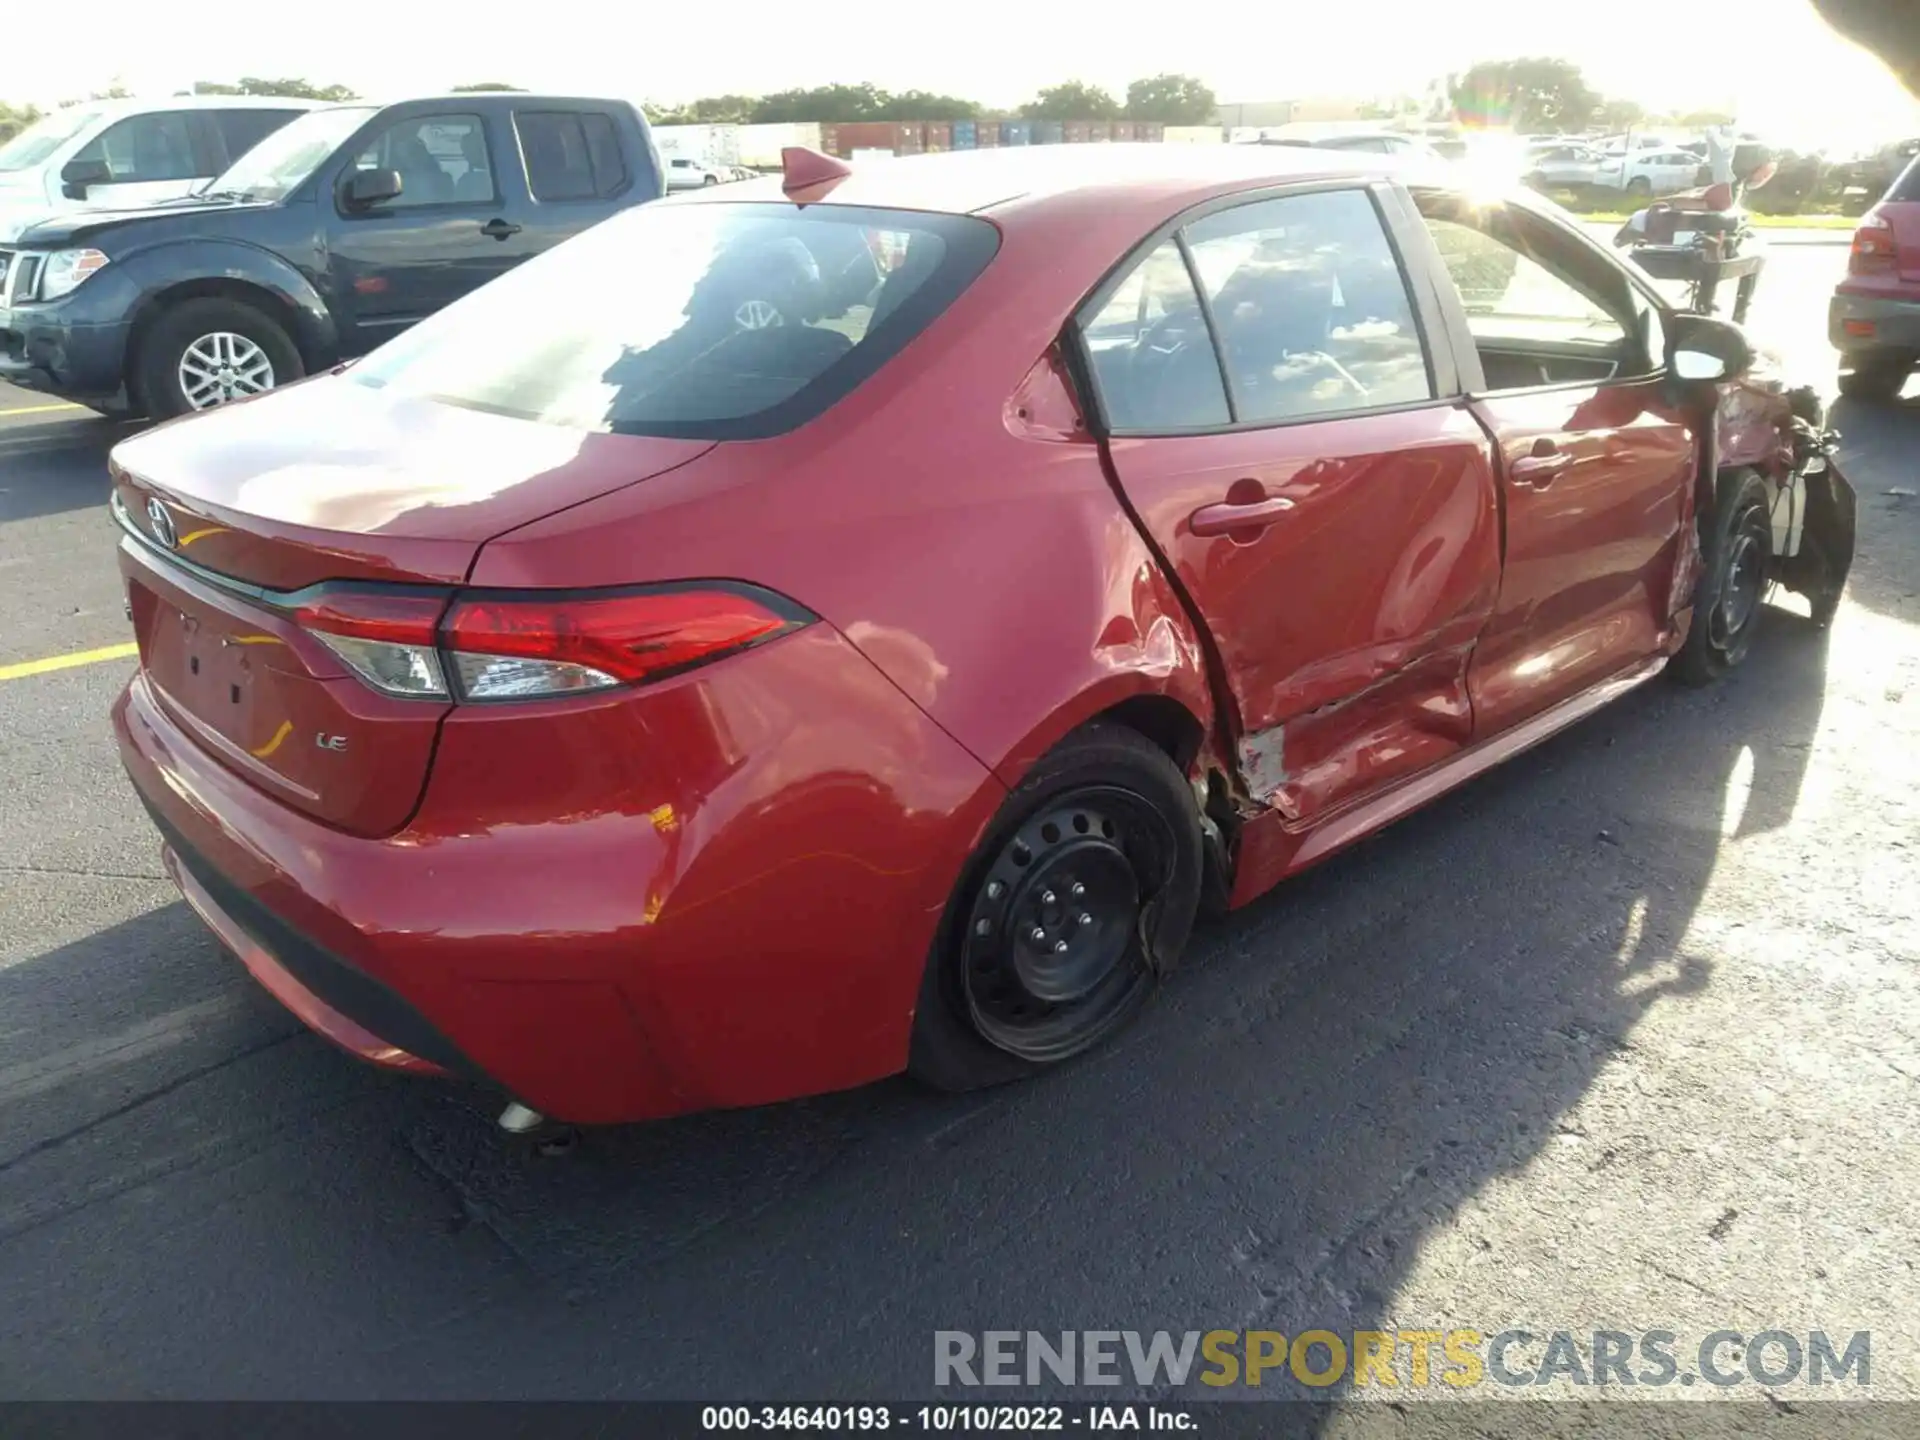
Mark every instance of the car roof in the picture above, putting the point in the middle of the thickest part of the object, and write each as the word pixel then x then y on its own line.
pixel 1152 178
pixel 121 106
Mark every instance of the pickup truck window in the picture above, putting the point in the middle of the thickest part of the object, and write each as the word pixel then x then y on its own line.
pixel 281 163
pixel 40 139
pixel 441 160
pixel 145 147
pixel 715 322
pixel 570 154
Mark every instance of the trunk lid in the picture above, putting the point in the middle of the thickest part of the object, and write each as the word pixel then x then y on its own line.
pixel 1901 209
pixel 239 517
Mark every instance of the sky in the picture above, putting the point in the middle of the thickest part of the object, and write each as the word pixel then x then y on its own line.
pixel 1780 67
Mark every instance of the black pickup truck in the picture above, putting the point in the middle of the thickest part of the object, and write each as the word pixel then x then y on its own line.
pixel 334 233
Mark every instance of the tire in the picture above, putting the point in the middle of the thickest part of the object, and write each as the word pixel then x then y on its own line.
pixel 1640 188
pixel 157 367
pixel 1875 379
pixel 1105 821
pixel 1736 566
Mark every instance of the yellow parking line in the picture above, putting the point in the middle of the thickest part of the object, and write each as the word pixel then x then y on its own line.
pixel 39 409
pixel 67 662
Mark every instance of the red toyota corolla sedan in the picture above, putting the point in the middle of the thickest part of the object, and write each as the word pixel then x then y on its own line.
pixel 827 627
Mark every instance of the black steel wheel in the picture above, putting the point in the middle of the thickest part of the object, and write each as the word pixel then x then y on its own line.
pixel 1736 569
pixel 1078 899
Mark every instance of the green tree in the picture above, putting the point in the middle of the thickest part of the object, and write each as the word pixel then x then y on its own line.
pixel 709 110
pixel 824 104
pixel 1620 114
pixel 487 87
pixel 1703 119
pixel 291 89
pixel 1531 94
pixel 1171 100
pixel 15 118
pixel 1072 100
pixel 925 105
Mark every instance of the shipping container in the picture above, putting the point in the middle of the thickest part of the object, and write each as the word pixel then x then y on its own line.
pixel 1047 132
pixel 937 135
pixel 1099 131
pixel 1076 132
pixel 1150 131
pixel 964 135
pixel 759 146
pixel 716 144
pixel 897 137
pixel 986 133
pixel 1123 130
pixel 1016 132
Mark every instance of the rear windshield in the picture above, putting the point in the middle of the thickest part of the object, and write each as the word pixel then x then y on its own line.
pixel 709 321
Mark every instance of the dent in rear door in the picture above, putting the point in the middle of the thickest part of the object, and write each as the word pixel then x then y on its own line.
pixel 1330 507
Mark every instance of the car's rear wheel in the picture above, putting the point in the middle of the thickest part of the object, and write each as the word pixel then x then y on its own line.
pixel 204 353
pixel 1080 896
pixel 1736 567
pixel 1876 378
pixel 1640 188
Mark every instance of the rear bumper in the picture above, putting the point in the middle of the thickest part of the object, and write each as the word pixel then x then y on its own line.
pixel 1860 323
pixel 620 928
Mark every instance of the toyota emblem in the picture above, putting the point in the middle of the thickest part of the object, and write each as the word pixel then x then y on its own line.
pixel 162 524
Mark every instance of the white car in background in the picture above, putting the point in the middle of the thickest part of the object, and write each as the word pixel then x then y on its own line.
pixel 686 173
pixel 118 154
pixel 1648 172
pixel 1564 167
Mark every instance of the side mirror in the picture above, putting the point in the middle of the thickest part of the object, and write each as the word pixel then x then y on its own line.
pixel 366 188
pixel 1703 347
pixel 77 175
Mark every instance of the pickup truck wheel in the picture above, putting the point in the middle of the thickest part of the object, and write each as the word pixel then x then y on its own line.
pixel 204 353
pixel 1079 897
pixel 1640 188
pixel 1736 566
pixel 1875 378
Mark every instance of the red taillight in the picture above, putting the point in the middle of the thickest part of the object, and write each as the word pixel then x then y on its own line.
pixel 386 637
pixel 598 641
pixel 393 616
pixel 1875 251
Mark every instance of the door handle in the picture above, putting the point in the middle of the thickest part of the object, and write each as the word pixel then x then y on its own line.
pixel 1539 467
pixel 1229 516
pixel 499 229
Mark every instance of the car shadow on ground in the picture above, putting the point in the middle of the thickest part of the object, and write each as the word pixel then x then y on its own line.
pixel 39 463
pixel 1880 454
pixel 1333 1073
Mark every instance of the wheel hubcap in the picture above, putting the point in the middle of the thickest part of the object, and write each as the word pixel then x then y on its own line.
pixel 1052 954
pixel 1742 584
pixel 223 366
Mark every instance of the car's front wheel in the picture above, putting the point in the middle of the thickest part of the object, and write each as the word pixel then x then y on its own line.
pixel 1080 896
pixel 207 352
pixel 1736 567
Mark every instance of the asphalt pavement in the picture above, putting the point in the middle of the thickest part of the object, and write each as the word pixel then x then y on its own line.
pixel 1624 1035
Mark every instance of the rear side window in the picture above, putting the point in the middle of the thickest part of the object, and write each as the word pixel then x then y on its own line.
pixel 1152 356
pixel 571 155
pixel 244 129
pixel 1907 187
pixel 144 148
pixel 716 322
